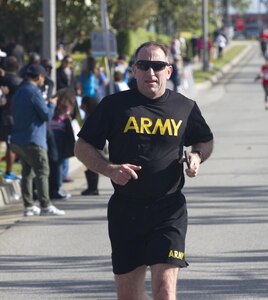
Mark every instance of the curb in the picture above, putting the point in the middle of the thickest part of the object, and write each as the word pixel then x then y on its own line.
pixel 10 191
pixel 247 52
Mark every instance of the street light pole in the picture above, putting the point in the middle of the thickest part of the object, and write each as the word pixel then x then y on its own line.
pixel 106 38
pixel 49 34
pixel 205 34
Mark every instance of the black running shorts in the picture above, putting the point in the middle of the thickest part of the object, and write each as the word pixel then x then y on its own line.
pixel 147 234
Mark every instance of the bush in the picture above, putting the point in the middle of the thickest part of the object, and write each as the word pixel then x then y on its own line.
pixel 129 41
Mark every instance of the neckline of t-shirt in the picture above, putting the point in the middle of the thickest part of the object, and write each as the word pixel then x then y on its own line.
pixel 154 101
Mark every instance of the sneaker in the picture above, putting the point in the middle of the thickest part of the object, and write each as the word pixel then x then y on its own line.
pixel 52 211
pixel 32 211
pixel 12 176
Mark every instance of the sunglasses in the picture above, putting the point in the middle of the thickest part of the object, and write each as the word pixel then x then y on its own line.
pixel 145 65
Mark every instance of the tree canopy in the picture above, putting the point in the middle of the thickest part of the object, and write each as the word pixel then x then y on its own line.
pixel 21 20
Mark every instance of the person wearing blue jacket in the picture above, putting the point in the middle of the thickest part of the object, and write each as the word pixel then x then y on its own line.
pixel 29 140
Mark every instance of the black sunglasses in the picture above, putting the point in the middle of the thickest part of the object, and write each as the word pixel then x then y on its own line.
pixel 145 65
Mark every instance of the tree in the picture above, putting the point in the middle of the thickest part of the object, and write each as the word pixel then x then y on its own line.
pixel 21 20
pixel 129 14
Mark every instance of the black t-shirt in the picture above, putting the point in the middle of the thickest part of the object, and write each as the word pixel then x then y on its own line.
pixel 150 133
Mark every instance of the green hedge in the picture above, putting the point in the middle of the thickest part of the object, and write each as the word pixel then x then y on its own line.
pixel 129 41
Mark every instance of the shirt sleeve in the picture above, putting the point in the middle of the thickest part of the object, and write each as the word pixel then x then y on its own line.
pixel 95 130
pixel 197 130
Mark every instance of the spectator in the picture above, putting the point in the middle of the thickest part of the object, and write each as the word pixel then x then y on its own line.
pixel 221 43
pixel 47 88
pixel 65 74
pixel 60 52
pixel 194 45
pixel 175 75
pixel 2 56
pixel 88 105
pixel 60 125
pixel 66 79
pixel 87 82
pixel 118 84
pixel 28 140
pixel 12 81
pixel 102 80
pixel 34 58
pixel 17 50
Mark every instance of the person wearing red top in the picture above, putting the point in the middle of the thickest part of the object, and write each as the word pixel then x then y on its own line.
pixel 264 76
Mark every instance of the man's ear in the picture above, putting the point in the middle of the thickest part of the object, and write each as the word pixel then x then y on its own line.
pixel 170 70
pixel 134 70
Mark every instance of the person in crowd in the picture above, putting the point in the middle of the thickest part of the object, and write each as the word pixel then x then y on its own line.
pixel 15 49
pixel 87 84
pixel 3 55
pixel 12 81
pixel 34 58
pixel 221 43
pixel 65 73
pixel 122 64
pixel 29 140
pixel 132 82
pixel 102 81
pixel 200 48
pixel 62 141
pixel 48 87
pixel 118 84
pixel 147 129
pixel 60 52
pixel 175 47
pixel 193 41
pixel 66 79
pixel 88 105
pixel 175 75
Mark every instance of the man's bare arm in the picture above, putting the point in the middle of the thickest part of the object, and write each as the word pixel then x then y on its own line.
pixel 93 159
pixel 200 152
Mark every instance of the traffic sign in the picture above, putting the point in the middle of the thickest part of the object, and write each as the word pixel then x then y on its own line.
pixel 99 45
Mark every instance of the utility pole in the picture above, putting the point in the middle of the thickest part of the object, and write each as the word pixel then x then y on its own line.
pixel 49 34
pixel 106 38
pixel 205 34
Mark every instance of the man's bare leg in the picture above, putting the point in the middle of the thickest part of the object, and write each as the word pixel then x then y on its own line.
pixel 130 286
pixel 164 281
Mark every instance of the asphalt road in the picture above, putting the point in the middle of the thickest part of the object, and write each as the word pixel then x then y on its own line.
pixel 227 242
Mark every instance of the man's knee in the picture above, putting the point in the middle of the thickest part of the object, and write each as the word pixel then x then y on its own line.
pixel 164 281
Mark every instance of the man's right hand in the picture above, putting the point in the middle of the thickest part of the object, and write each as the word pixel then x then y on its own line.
pixel 121 174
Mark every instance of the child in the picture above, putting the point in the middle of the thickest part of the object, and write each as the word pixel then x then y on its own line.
pixel 60 141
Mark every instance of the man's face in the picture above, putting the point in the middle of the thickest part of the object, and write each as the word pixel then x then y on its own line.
pixel 41 80
pixel 152 84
